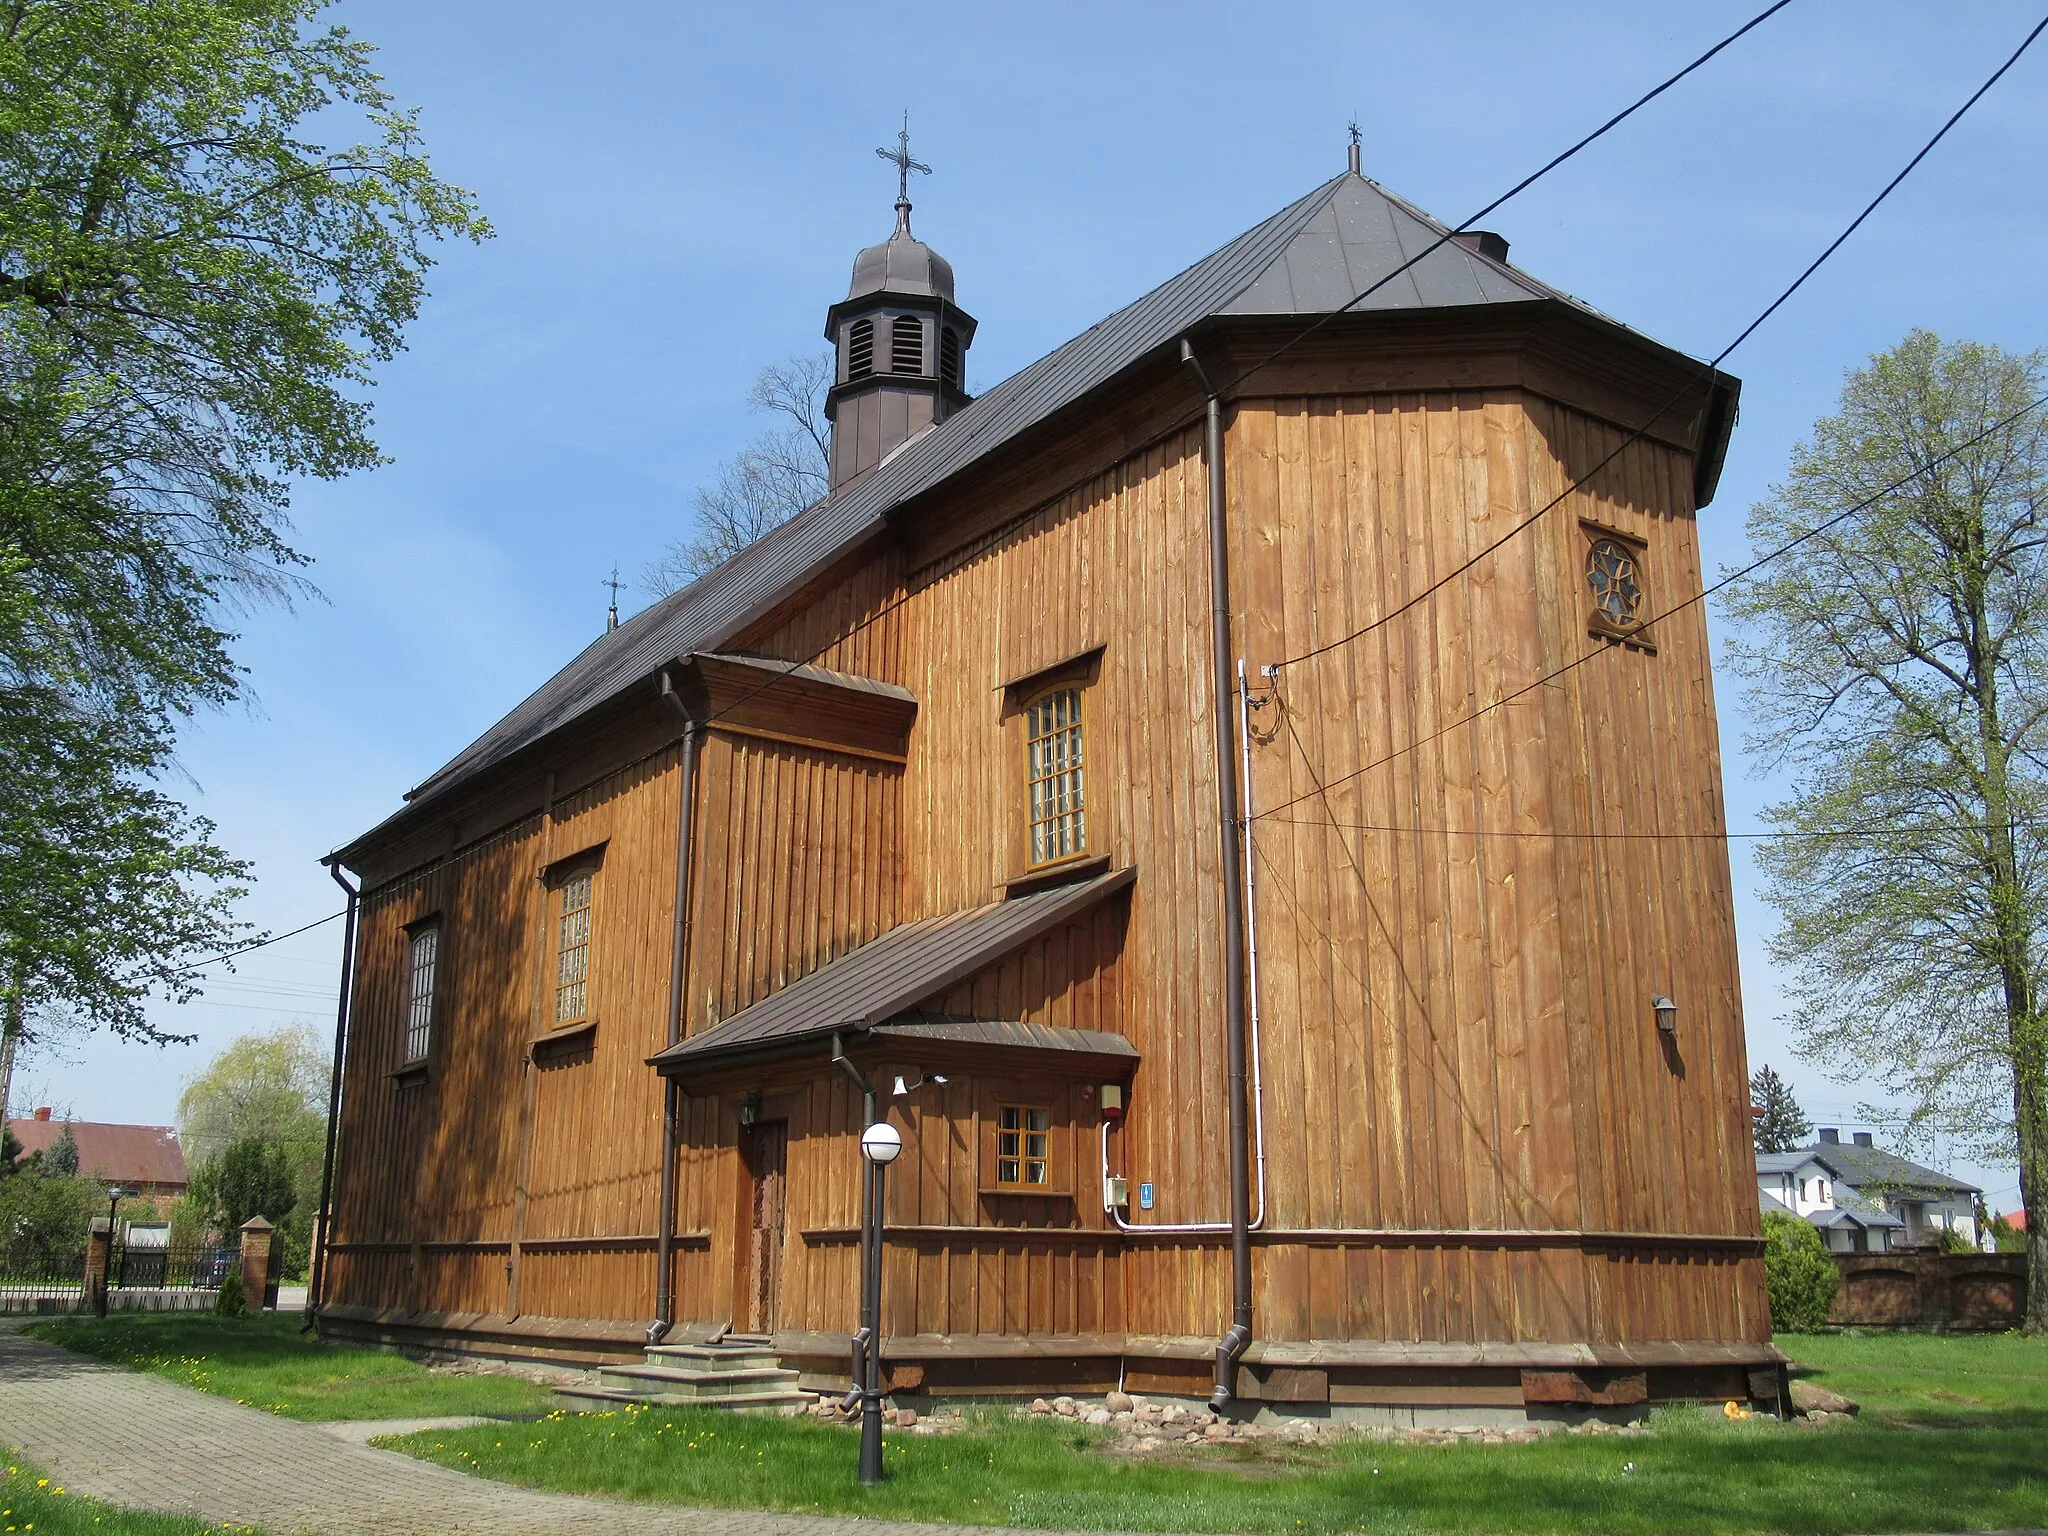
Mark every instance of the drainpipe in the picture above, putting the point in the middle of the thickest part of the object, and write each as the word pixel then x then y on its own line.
pixel 678 962
pixel 1232 1345
pixel 316 1282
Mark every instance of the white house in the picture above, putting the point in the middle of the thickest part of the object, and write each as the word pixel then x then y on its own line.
pixel 1863 1199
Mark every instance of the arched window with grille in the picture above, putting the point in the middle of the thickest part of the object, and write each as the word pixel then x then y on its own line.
pixel 860 349
pixel 949 357
pixel 906 344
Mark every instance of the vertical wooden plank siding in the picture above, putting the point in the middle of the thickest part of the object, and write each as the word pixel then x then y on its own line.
pixel 1466 896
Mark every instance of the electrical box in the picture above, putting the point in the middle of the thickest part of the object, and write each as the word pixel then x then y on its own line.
pixel 1116 1192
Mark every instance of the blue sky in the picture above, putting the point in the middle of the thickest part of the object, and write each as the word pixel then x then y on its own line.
pixel 679 192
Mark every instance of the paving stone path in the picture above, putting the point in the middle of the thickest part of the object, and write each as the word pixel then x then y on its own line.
pixel 138 1440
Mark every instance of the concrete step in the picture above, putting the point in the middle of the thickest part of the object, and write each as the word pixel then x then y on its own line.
pixel 714 1357
pixel 697 1385
pixel 602 1400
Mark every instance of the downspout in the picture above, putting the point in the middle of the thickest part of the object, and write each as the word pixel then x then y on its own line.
pixel 678 962
pixel 316 1282
pixel 1233 1343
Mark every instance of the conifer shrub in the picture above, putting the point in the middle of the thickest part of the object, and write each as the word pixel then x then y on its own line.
pixel 230 1302
pixel 1798 1273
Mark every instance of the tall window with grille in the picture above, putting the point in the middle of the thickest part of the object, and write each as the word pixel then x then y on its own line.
pixel 1054 776
pixel 423 955
pixel 572 949
pixel 1023 1146
pixel 906 344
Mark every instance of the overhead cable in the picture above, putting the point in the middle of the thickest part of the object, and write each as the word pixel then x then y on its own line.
pixel 1698 597
pixel 1704 372
pixel 1005 529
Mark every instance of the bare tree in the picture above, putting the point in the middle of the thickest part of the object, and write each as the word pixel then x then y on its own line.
pixel 766 483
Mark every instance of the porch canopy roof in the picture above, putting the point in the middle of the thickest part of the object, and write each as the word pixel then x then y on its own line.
pixel 877 986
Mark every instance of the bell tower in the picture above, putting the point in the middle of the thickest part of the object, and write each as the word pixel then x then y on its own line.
pixel 899 340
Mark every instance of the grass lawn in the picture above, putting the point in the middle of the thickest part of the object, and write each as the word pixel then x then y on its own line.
pixel 1994 1380
pixel 29 1501
pixel 264 1361
pixel 1984 1466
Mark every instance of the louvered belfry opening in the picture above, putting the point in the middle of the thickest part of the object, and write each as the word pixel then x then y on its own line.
pixel 902 350
pixel 906 344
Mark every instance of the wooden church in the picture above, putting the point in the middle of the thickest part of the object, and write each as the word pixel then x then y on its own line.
pixel 1149 776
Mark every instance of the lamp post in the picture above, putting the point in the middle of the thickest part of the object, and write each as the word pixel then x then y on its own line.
pixel 880 1145
pixel 115 1195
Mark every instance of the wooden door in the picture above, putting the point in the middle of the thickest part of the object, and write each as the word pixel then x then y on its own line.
pixel 764 1159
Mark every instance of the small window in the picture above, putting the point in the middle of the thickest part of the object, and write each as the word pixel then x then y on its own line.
pixel 1023 1135
pixel 1059 818
pixel 572 950
pixel 906 345
pixel 860 349
pixel 424 955
pixel 949 356
pixel 1614 572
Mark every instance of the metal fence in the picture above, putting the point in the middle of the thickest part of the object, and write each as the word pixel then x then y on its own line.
pixel 176 1267
pixel 50 1277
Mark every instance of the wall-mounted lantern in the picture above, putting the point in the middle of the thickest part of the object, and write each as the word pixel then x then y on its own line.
pixel 750 1108
pixel 1667 1014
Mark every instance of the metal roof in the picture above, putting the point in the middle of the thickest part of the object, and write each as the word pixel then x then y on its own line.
pixel 1015 1033
pixel 1852 1207
pixel 1307 259
pixel 1863 1168
pixel 874 983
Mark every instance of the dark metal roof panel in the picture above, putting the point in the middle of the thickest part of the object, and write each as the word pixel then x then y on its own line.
pixel 898 970
pixel 1309 258
pixel 1011 1032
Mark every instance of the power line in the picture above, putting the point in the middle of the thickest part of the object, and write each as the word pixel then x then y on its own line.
pixel 229 954
pixel 1707 371
pixel 1516 190
pixel 1701 596
pixel 1847 833
pixel 1004 530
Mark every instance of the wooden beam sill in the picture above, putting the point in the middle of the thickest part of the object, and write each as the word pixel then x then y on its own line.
pixel 1030 1193
pixel 1084 867
pixel 568 1034
pixel 411 1073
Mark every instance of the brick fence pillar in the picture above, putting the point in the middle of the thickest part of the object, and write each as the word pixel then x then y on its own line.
pixel 99 1253
pixel 257 1238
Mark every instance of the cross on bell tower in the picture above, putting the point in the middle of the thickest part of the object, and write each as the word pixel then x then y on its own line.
pixel 899 339
pixel 900 158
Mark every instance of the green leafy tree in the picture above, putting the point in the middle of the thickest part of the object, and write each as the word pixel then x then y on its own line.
pixel 192 295
pixel 2005 1237
pixel 47 1213
pixel 1798 1274
pixel 1782 1126
pixel 1896 661
pixel 269 1089
pixel 253 1179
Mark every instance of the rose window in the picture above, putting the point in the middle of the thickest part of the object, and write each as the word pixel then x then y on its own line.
pixel 1616 577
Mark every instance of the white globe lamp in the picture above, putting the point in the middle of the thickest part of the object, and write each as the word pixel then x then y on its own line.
pixel 881 1142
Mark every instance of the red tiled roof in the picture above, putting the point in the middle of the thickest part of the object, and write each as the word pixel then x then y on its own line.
pixel 120 1154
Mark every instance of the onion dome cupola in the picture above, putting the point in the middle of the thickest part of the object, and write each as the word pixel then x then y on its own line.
pixel 899 340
